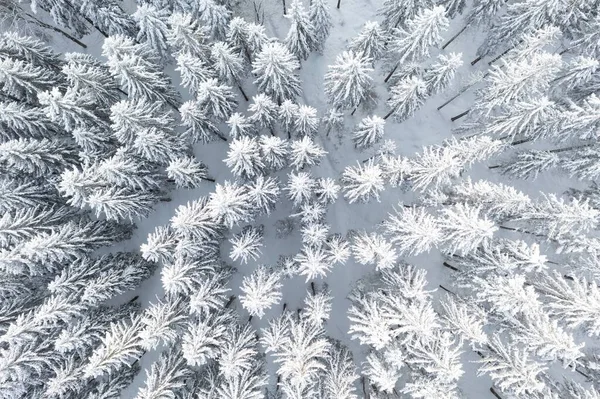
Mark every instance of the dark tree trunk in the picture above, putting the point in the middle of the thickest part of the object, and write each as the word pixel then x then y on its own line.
pixel 54 28
pixel 284 8
pixel 242 91
pixel 454 37
pixel 493 391
pixel 312 288
pixel 339 3
pixel 389 114
pixel 457 117
pixel 388 77
pixel 476 60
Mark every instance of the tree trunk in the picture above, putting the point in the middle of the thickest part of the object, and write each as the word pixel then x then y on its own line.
pixel 500 56
pixel 457 117
pixel 339 3
pixel 391 73
pixel 284 307
pixel 284 8
pixel 493 391
pixel 230 301
pixel 476 60
pixel 54 28
pixel 242 91
pixel 312 288
pixel 89 21
pixel 220 135
pixel 389 114
pixel 449 266
pixel 455 36
pixel 209 179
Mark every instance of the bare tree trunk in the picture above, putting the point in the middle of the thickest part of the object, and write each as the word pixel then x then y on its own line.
pixel 284 8
pixel 242 91
pixel 500 56
pixel 457 117
pixel 389 114
pixel 476 60
pixel 454 37
pixel 493 391
pixel 391 73
pixel 54 28
pixel 449 266
pixel 312 288
pixel 339 3
pixel 230 301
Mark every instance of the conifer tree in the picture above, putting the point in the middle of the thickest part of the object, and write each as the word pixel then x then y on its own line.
pixel 263 193
pixel 215 16
pixel 193 71
pixel 240 126
pixel 229 66
pixel 348 81
pixel 187 36
pixel 320 18
pixel 439 75
pixel 23 81
pixel 396 13
pixel 274 152
pixel 305 152
pixel 306 122
pixel 362 182
pixel 275 68
pixel 244 159
pixel 370 42
pixel 71 110
pixel 153 29
pixel 261 290
pixel 413 42
pixel 238 38
pixel 217 100
pixel 187 172
pixel 368 132
pixel 93 79
pixel 406 98
pixel 301 38
pixel 264 112
pixel 199 128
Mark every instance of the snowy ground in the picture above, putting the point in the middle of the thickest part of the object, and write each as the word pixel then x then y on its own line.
pixel 427 126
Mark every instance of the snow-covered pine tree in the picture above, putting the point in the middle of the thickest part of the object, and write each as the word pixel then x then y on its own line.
pixel 71 109
pixel 199 127
pixel 187 172
pixel 306 122
pixel 22 81
pixel 362 182
pixel 153 29
pixel 187 36
pixel 396 13
pixel 215 16
pixel 300 187
pixel 263 193
pixel 275 68
pixel 166 377
pixel 260 291
pixel 230 204
pixel 240 126
pixel 244 158
pixel 20 120
pixel 229 66
pixel 348 82
pixel 139 75
pixel 274 152
pixel 237 37
pixel 38 158
pixel 264 112
pixel 216 100
pixel 369 131
pixel 301 38
pixel 288 114
pixel 246 244
pixel 93 79
pixel 305 152
pixel 407 96
pixel 412 43
pixel 370 41
pixel 320 18
pixel 108 17
pixel 439 75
